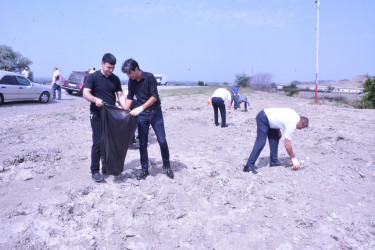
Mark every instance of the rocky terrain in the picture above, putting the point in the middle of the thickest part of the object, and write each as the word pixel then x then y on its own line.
pixel 48 200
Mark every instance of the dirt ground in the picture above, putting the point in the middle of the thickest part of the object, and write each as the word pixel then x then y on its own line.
pixel 48 200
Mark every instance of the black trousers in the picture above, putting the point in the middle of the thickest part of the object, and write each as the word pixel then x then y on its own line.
pixel 95 149
pixel 218 103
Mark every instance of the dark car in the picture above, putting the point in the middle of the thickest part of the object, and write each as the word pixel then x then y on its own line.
pixel 75 82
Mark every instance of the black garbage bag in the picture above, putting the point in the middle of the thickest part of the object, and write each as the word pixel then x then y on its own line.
pixel 117 127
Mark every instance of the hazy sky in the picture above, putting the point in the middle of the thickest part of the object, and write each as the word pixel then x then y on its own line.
pixel 210 40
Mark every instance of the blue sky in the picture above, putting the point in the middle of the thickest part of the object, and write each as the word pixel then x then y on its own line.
pixel 209 41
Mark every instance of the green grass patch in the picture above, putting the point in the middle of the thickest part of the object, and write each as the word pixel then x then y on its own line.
pixel 206 90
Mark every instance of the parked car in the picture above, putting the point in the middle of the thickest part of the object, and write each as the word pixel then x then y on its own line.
pixel 16 87
pixel 75 82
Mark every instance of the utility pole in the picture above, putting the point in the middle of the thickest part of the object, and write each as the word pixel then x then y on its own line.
pixel 317 55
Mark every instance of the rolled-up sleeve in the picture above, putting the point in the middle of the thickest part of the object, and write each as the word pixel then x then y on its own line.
pixel 153 87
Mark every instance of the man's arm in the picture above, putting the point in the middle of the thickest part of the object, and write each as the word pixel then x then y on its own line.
pixel 128 104
pixel 89 97
pixel 121 98
pixel 288 147
pixel 149 102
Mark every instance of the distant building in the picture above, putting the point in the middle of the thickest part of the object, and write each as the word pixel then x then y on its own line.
pixel 348 90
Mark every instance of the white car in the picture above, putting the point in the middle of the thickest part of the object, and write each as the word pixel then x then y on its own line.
pixel 16 87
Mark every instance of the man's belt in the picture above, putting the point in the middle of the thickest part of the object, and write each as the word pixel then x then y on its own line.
pixel 151 109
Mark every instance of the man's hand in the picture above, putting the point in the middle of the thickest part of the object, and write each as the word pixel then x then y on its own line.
pixel 296 164
pixel 99 102
pixel 137 111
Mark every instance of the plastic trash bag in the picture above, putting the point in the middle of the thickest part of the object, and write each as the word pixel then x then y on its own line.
pixel 117 127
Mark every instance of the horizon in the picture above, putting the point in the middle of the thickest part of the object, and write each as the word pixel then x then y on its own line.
pixel 210 41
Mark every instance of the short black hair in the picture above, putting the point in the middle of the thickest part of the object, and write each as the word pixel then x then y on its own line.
pixel 129 65
pixel 109 58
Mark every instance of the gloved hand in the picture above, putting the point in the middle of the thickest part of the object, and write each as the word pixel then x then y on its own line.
pixel 296 164
pixel 137 111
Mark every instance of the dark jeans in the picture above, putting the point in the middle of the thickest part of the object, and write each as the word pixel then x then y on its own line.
pixel 218 103
pixel 155 119
pixel 95 149
pixel 264 131
pixel 54 88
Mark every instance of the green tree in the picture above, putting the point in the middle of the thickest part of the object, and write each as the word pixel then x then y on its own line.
pixel 243 80
pixel 368 101
pixel 290 90
pixel 11 60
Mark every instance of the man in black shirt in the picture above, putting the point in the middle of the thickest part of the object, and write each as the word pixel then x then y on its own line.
pixel 101 86
pixel 143 85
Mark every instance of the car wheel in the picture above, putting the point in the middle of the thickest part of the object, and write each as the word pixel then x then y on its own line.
pixel 1 99
pixel 80 92
pixel 44 97
pixel 69 92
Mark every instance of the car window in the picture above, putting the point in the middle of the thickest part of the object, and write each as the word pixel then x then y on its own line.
pixel 75 78
pixel 8 80
pixel 23 81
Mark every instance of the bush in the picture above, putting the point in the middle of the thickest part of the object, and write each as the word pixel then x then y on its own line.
pixel 368 101
pixel 290 90
pixel 243 80
pixel 200 83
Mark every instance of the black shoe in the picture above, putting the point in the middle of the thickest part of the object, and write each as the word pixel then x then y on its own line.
pixel 97 177
pixel 224 126
pixel 216 124
pixel 169 172
pixel 249 169
pixel 276 164
pixel 133 146
pixel 143 175
pixel 104 171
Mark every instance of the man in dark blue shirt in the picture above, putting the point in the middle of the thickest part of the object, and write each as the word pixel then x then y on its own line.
pixel 234 91
pixel 143 85
pixel 101 86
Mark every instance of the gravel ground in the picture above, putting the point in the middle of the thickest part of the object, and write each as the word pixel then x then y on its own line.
pixel 48 200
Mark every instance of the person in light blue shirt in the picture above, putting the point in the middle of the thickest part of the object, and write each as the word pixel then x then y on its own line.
pixel 241 99
pixel 234 91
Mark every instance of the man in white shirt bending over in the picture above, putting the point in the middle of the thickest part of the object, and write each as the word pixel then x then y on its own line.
pixel 218 99
pixel 269 123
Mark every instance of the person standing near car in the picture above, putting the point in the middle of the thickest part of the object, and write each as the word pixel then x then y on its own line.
pixel 25 72
pixel 56 84
pixel 144 86
pixel 99 87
